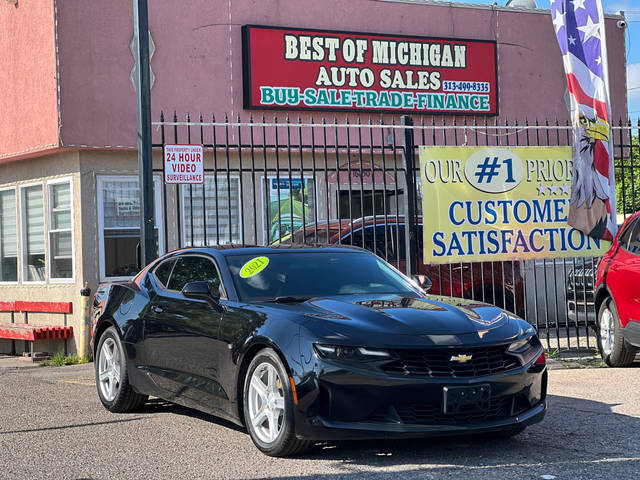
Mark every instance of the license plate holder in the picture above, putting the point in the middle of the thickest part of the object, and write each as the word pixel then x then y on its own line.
pixel 467 399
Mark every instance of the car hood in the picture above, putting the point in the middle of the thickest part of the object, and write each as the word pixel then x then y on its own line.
pixel 397 315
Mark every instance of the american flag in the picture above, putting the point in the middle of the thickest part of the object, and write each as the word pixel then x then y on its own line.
pixel 579 27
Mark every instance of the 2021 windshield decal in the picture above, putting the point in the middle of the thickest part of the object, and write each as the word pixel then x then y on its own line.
pixel 254 267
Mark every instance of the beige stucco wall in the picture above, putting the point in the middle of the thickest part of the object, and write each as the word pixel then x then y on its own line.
pixel 85 167
pixel 42 170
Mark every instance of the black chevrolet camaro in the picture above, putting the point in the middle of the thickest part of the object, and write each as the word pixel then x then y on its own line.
pixel 313 343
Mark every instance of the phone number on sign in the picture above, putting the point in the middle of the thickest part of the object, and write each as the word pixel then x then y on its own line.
pixel 453 86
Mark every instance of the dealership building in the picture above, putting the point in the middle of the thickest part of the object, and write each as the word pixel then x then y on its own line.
pixel 69 210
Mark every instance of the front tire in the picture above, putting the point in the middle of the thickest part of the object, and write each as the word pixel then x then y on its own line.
pixel 615 351
pixel 268 407
pixel 114 389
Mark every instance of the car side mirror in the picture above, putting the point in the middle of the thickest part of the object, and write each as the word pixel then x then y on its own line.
pixel 200 290
pixel 423 281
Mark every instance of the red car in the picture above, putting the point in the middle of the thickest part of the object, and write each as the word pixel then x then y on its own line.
pixel 498 283
pixel 617 294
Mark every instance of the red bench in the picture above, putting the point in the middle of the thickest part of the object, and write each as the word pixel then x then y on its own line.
pixel 29 332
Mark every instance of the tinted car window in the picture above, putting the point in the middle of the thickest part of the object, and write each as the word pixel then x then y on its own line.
pixel 302 274
pixel 628 233
pixel 634 240
pixel 391 247
pixel 373 241
pixel 163 271
pixel 192 268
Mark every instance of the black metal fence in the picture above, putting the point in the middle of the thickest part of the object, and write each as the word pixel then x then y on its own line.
pixel 346 182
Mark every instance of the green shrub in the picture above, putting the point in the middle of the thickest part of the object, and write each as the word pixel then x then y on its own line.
pixel 60 359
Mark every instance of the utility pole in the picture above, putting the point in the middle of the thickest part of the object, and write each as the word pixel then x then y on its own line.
pixel 145 163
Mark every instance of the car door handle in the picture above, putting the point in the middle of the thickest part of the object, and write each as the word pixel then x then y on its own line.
pixel 157 309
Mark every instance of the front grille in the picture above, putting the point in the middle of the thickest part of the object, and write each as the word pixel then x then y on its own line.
pixel 430 414
pixel 437 362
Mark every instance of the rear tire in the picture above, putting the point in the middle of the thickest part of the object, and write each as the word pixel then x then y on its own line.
pixel 268 407
pixel 614 349
pixel 114 389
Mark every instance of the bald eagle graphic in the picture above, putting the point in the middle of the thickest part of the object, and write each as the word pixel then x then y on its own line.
pixel 588 208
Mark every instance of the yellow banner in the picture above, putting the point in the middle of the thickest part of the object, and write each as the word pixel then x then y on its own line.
pixel 499 203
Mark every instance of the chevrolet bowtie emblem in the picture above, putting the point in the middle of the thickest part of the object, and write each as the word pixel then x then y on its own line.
pixel 462 358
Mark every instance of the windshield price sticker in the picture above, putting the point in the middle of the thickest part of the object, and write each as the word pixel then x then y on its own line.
pixel 254 267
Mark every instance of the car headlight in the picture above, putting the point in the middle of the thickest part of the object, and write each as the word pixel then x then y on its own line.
pixel 521 345
pixel 528 349
pixel 340 352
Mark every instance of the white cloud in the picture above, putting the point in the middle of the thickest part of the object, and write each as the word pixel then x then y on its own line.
pixel 633 81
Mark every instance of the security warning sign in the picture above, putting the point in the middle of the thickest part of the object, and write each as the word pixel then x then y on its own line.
pixel 497 203
pixel 300 69
pixel 183 164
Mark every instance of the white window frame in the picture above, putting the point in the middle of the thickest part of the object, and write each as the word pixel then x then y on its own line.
pixel 223 241
pixel 23 233
pixel 58 181
pixel 100 180
pixel 18 235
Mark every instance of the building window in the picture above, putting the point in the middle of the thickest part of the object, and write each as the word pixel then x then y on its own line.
pixel 290 205
pixel 8 237
pixel 119 225
pixel 60 231
pixel 222 220
pixel 33 251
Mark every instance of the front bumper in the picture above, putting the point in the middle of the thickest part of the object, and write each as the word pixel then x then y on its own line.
pixel 340 404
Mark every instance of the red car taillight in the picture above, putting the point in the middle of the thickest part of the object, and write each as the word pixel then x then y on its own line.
pixel 542 359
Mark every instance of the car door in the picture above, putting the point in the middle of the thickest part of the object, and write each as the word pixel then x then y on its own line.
pixel 623 276
pixel 181 334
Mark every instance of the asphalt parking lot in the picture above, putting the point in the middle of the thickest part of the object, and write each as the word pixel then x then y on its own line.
pixel 52 425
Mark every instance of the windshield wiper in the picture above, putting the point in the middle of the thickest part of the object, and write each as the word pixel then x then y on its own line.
pixel 288 299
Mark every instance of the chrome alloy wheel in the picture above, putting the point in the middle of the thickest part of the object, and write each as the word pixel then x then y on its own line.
pixel 109 369
pixel 266 402
pixel 607 331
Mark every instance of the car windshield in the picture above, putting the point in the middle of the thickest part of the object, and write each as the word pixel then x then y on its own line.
pixel 301 275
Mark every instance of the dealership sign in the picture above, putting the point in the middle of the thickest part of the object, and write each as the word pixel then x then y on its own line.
pixel 183 164
pixel 497 203
pixel 328 70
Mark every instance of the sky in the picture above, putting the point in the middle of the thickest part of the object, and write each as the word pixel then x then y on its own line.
pixel 631 10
